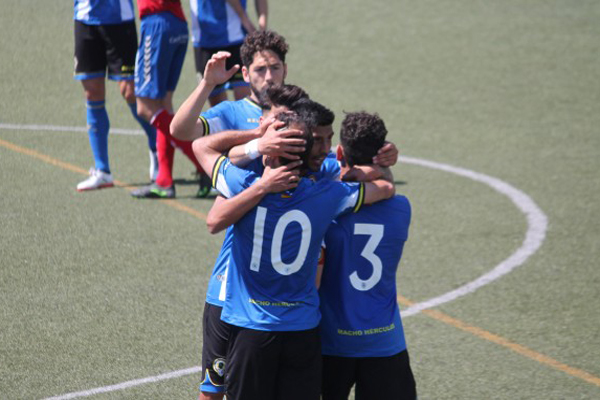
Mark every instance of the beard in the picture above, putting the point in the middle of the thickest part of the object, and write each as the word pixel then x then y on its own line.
pixel 260 95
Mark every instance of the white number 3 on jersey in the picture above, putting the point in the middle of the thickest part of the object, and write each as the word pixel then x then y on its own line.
pixel 375 233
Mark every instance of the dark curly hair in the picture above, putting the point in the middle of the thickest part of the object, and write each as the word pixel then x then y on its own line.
pixel 362 135
pixel 306 126
pixel 258 41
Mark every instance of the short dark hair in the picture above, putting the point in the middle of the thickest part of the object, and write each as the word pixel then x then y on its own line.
pixel 362 135
pixel 322 115
pixel 306 126
pixel 283 95
pixel 258 41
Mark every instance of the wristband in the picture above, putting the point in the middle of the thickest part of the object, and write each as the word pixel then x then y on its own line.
pixel 251 149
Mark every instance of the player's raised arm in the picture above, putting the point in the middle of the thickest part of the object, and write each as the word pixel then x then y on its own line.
pixel 186 125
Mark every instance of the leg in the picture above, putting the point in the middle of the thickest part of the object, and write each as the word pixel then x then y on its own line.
pixel 98 127
pixel 252 364
pixel 386 378
pixel 97 121
pixel 299 375
pixel 215 337
pixel 154 111
pixel 339 375
pixel 127 91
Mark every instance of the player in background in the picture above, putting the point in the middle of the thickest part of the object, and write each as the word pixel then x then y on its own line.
pixel 271 299
pixel 163 44
pixel 106 39
pixel 363 340
pixel 219 25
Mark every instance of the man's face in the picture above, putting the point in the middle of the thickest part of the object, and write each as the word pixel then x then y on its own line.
pixel 322 144
pixel 266 69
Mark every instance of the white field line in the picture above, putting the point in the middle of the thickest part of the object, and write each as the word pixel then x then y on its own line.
pixel 128 384
pixel 536 233
pixel 54 128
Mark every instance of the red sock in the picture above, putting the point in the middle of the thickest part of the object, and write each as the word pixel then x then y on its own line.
pixel 164 148
pixel 186 148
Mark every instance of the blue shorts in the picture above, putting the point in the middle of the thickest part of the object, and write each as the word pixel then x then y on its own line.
pixel 163 43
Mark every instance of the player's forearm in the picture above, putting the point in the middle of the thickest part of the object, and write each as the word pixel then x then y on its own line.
pixel 378 190
pixel 185 124
pixel 262 10
pixel 226 212
pixel 240 156
pixel 241 13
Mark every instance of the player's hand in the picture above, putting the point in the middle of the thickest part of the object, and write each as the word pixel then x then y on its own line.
pixel 215 72
pixel 387 155
pixel 277 142
pixel 279 179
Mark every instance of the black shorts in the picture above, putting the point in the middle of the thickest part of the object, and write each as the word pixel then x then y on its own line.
pixel 375 377
pixel 215 337
pixel 273 365
pixel 202 55
pixel 102 47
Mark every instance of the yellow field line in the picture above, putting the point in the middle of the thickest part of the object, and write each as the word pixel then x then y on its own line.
pixel 70 167
pixel 481 333
pixel 517 348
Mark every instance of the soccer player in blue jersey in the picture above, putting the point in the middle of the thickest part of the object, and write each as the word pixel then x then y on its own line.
pixel 362 337
pixel 106 39
pixel 263 58
pixel 271 300
pixel 219 25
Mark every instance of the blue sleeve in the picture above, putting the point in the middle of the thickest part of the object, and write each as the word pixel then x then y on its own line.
pixel 216 119
pixel 330 167
pixel 230 180
pixel 348 196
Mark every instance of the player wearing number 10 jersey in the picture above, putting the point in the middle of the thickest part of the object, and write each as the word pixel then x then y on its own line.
pixel 362 337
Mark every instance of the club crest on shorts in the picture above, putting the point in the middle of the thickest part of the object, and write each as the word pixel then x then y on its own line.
pixel 219 366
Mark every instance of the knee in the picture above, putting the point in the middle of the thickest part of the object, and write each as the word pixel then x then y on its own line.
pixel 143 111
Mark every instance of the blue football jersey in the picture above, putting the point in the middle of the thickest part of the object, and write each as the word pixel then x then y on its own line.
pixel 103 12
pixel 215 24
pixel 217 284
pixel 275 249
pixel 359 303
pixel 231 115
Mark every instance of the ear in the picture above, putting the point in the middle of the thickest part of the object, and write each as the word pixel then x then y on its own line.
pixel 245 74
pixel 284 71
pixel 339 154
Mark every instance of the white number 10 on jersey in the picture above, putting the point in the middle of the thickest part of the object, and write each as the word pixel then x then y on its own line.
pixel 278 264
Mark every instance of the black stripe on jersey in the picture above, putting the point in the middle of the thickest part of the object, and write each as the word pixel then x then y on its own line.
pixel 206 126
pixel 215 170
pixel 361 198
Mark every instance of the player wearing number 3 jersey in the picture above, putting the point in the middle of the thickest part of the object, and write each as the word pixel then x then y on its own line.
pixel 272 302
pixel 362 337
